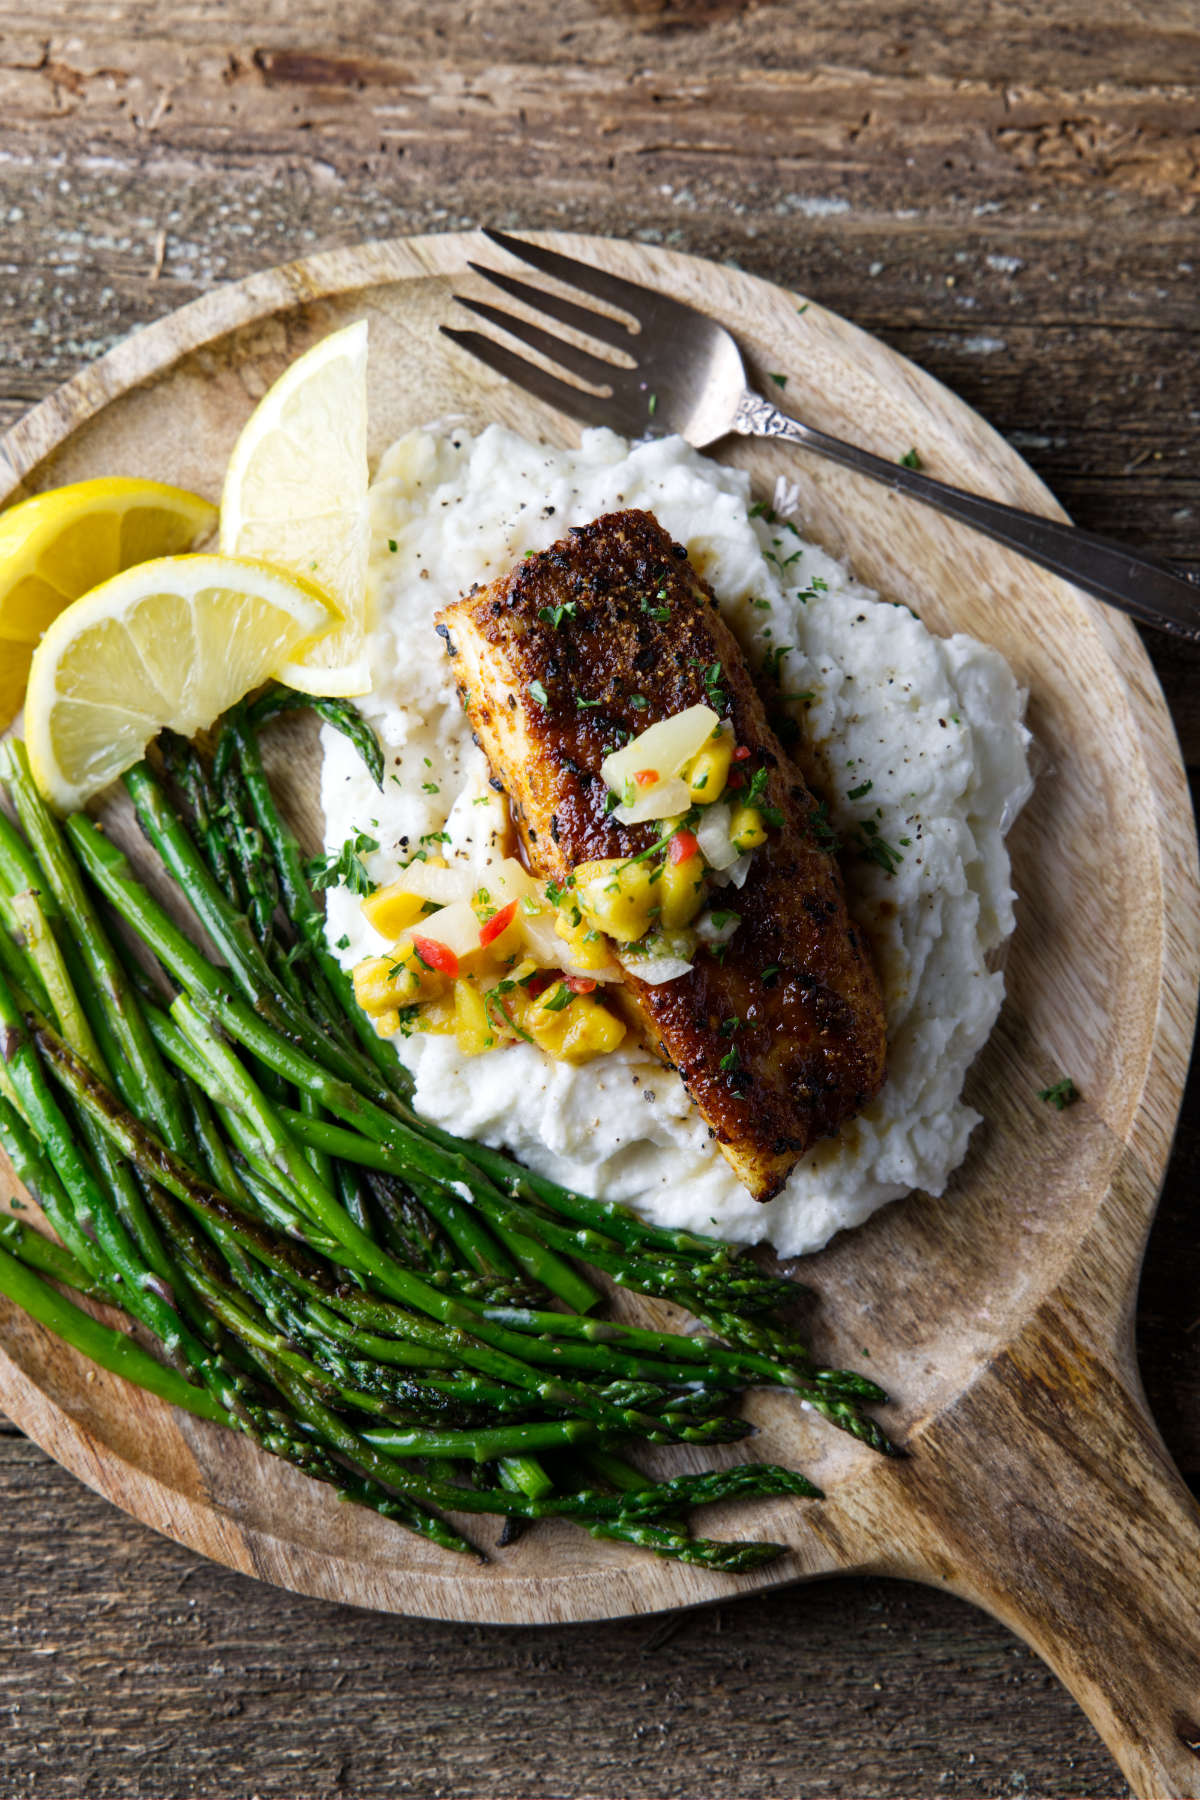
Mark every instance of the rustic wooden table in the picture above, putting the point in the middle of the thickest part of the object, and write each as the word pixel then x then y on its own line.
pixel 1006 192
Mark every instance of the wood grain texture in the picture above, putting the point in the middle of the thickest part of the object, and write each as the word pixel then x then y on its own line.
pixel 134 1668
pixel 1022 1415
pixel 1063 307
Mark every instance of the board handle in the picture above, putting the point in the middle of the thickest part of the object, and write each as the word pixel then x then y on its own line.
pixel 1075 1529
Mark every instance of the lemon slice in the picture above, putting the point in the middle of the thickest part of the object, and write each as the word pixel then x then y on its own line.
pixel 296 494
pixel 57 545
pixel 171 642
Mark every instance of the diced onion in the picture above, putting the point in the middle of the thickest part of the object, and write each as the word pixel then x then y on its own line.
pixel 456 926
pixel 667 746
pixel 714 935
pixel 656 969
pixel 549 951
pixel 735 875
pixel 661 801
pixel 439 886
pixel 712 835
pixel 506 881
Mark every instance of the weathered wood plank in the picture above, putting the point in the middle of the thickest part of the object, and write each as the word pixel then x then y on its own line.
pixel 881 140
pixel 1071 152
pixel 131 1667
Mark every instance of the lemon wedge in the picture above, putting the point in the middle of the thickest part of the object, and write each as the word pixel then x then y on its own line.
pixel 170 642
pixel 296 494
pixel 57 545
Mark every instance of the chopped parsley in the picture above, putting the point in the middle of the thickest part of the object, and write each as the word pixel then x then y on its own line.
pixel 393 546
pixel 859 793
pixel 554 615
pixel 714 677
pixel 758 783
pixel 824 836
pixel 429 787
pixel 581 704
pixel 774 658
pixel 559 1000
pixel 343 943
pixel 343 868
pixel 868 844
pixel 782 562
pixel 538 693
pixel 730 1061
pixel 1062 1093
pixel 779 380
pixel 910 460
pixel 660 614
pixel 493 1004
pixel 652 405
pixel 638 702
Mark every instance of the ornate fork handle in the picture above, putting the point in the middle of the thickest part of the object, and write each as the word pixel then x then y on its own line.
pixel 1149 590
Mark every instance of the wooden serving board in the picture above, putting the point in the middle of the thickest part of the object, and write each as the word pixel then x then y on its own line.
pixel 999 1316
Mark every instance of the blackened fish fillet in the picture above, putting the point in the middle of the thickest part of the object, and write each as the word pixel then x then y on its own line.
pixel 781 1038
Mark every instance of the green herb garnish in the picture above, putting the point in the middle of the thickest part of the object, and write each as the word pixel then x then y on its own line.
pixel 342 868
pixel 1063 1093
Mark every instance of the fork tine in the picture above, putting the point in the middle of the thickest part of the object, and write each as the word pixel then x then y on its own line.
pixel 579 318
pixel 628 295
pixel 539 382
pixel 567 356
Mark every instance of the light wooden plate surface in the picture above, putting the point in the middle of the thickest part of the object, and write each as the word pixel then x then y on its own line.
pixel 998 1316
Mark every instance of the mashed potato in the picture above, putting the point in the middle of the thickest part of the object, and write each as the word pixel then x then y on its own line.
pixel 920 746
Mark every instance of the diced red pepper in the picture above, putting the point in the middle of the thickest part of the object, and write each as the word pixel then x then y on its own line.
pixel 580 984
pixel 500 921
pixel 436 956
pixel 735 779
pixel 646 777
pixel 537 984
pixel 741 753
pixel 683 845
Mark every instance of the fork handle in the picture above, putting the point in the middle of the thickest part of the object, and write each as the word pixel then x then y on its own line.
pixel 1149 590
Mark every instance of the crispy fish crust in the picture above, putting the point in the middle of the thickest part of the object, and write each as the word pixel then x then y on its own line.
pixel 795 993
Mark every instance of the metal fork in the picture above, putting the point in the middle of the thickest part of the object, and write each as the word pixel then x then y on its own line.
pixel 682 372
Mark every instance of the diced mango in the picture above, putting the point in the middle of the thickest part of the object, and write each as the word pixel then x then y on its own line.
pixel 708 770
pixel 618 897
pixel 382 982
pixel 472 1027
pixel 681 891
pixel 580 1030
pixel 392 909
pixel 439 1015
pixel 747 829
pixel 586 948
